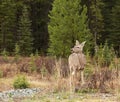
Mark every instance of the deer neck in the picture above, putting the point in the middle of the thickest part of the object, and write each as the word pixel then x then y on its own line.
pixel 78 53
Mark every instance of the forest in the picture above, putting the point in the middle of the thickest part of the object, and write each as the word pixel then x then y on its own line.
pixel 46 25
pixel 37 40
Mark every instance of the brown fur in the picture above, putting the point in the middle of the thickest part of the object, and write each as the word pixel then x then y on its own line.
pixel 77 63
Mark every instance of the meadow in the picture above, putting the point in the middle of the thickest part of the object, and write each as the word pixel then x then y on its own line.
pixel 52 75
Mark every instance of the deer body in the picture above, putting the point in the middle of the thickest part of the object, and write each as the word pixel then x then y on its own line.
pixel 77 63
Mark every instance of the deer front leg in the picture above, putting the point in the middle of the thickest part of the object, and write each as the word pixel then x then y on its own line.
pixel 74 79
pixel 70 80
pixel 82 77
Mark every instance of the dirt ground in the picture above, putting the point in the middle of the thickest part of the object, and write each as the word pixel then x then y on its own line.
pixel 77 97
pixel 50 95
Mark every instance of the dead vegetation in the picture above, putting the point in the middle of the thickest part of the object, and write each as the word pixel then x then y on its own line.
pixel 54 73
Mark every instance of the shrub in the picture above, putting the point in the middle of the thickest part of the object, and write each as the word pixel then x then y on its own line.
pixel 20 82
pixel 17 52
pixel 88 71
pixel 105 55
pixel 33 67
pixel 44 71
pixel 1 73
pixel 4 53
pixel 36 54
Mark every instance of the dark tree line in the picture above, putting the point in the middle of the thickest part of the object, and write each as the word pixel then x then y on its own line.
pixel 25 22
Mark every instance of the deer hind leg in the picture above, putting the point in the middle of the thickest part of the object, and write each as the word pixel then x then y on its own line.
pixel 78 78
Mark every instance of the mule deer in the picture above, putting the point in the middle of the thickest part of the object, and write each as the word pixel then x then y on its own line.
pixel 77 63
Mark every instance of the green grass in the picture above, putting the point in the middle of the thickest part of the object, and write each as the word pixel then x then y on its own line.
pixel 65 97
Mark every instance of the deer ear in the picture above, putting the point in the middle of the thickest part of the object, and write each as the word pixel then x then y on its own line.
pixel 77 42
pixel 83 43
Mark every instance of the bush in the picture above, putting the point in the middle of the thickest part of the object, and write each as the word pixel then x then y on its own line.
pixel 36 54
pixel 33 67
pixel 105 55
pixel 17 52
pixel 20 82
pixel 1 73
pixel 44 71
pixel 4 54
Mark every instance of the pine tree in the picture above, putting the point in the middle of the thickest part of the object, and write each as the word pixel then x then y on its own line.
pixel 25 36
pixel 68 22
pixel 114 36
pixel 106 12
pixel 96 23
pixel 7 24
pixel 40 19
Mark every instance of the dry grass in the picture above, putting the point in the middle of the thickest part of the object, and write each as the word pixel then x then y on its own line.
pixel 56 75
pixel 36 82
pixel 67 100
pixel 7 83
pixel 53 92
pixel 65 97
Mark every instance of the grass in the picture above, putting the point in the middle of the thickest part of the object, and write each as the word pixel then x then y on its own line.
pixel 56 86
pixel 6 83
pixel 65 97
pixel 50 95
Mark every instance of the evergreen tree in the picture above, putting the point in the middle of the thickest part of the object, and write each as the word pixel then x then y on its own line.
pixel 114 36
pixel 68 22
pixel 40 19
pixel 25 36
pixel 96 19
pixel 106 12
pixel 7 24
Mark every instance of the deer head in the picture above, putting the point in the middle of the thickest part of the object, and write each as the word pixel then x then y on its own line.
pixel 78 48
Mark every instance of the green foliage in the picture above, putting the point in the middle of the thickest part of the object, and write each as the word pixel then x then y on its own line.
pixel 10 13
pixel 39 17
pixel 1 73
pixel 111 16
pixel 66 25
pixel 17 52
pixel 88 70
pixel 114 36
pixel 7 24
pixel 96 18
pixel 33 67
pixel 4 54
pixel 20 82
pixel 36 54
pixel 69 21
pixel 43 71
pixel 25 36
pixel 105 55
pixel 96 23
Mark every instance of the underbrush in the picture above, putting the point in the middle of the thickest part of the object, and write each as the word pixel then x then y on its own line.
pixel 98 78
pixel 20 82
pixel 77 97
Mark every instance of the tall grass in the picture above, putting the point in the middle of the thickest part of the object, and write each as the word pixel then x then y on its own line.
pixel 105 74
pixel 105 79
